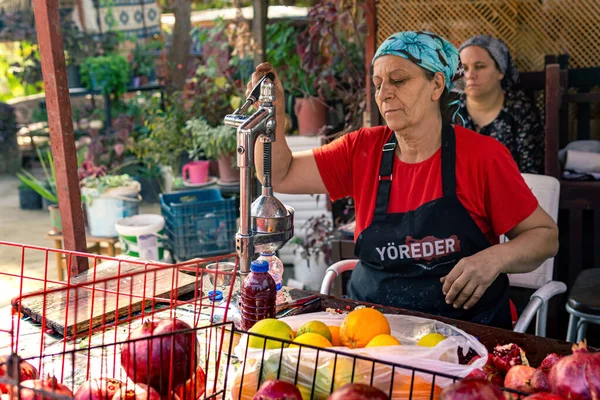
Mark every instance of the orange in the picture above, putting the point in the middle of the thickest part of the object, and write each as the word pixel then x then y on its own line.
pixel 335 335
pixel 312 339
pixel 315 327
pixel 362 325
pixel 383 340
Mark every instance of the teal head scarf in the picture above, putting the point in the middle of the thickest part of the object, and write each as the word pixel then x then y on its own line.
pixel 428 50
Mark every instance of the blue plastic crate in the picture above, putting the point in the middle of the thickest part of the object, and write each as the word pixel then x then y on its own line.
pixel 199 223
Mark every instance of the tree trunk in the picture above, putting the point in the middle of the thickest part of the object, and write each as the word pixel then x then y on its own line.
pixel 177 58
pixel 259 24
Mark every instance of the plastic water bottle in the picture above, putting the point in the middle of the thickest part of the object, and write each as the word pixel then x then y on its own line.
pixel 276 271
pixel 258 295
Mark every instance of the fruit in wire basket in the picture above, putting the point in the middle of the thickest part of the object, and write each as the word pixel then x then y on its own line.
pixel 194 387
pixel 48 385
pixel 98 389
pixel 335 335
pixel 315 327
pixel 270 327
pixel 358 391
pixel 472 389
pixel 431 340
pixel 383 340
pixel 507 356
pixel 277 390
pixel 312 339
pixel 138 392
pixel 28 372
pixel 519 378
pixel 156 360
pixel 577 376
pixel 543 396
pixel 362 325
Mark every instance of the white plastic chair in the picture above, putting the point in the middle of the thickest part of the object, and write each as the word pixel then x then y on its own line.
pixel 547 191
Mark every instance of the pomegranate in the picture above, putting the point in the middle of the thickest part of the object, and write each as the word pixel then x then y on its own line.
pixel 577 377
pixel 543 396
pixel 476 374
pixel 539 381
pixel 358 391
pixel 50 385
pixel 138 392
pixel 472 389
pixel 506 356
pixel 187 390
pixel 155 361
pixel 519 378
pixel 548 362
pixel 277 390
pixel 98 389
pixel 28 372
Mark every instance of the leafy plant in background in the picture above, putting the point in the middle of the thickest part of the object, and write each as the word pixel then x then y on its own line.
pixel 282 46
pixel 317 240
pixel 212 142
pixel 143 56
pixel 47 187
pixel 78 45
pixel 109 73
pixel 101 183
pixel 163 142
pixel 332 50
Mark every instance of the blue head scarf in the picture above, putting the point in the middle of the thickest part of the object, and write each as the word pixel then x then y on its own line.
pixel 428 50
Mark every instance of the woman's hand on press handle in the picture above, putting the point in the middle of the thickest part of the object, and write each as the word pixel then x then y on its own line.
pixel 281 155
pixel 262 70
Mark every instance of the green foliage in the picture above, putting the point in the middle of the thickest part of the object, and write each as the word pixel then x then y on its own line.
pixel 110 73
pixel 282 39
pixel 143 57
pixel 162 140
pixel 213 142
pixel 100 184
pixel 47 187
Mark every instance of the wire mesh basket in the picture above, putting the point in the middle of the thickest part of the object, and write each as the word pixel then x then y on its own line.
pixel 153 331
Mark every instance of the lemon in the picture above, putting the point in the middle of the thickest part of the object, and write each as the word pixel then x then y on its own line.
pixel 270 327
pixel 312 339
pixel 383 340
pixel 431 340
pixel 315 327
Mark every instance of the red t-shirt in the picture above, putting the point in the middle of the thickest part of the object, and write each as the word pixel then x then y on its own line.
pixel 488 182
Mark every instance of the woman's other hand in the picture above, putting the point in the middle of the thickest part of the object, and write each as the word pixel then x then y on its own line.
pixel 469 279
pixel 262 70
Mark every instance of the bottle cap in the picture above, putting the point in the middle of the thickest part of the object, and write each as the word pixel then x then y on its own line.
pixel 215 295
pixel 267 254
pixel 259 266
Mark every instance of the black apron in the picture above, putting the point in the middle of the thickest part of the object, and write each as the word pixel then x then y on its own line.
pixel 404 255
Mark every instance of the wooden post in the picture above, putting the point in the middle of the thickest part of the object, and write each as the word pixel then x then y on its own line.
pixel 553 100
pixel 178 55
pixel 62 139
pixel 259 30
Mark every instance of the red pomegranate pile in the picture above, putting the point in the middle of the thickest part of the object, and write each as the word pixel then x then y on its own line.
pixel 572 377
pixel 164 361
pixel 27 372
pixel 163 366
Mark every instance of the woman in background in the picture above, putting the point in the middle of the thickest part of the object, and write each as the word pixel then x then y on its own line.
pixel 492 106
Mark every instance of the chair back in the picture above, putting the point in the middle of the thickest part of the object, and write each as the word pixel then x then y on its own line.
pixel 547 191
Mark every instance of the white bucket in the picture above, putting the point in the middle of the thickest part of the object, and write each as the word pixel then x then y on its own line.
pixel 142 236
pixel 104 209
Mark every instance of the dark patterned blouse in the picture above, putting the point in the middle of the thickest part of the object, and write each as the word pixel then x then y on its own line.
pixel 517 126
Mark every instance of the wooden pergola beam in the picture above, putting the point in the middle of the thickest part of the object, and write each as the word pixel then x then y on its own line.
pixel 62 139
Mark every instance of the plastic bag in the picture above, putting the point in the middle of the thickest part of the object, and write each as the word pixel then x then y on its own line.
pixel 314 373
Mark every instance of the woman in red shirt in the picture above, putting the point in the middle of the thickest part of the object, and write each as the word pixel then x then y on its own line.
pixel 431 198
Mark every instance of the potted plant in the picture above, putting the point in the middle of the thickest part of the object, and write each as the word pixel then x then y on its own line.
pixel 78 45
pixel 332 49
pixel 108 74
pixel 313 252
pixel 215 143
pixel 108 199
pixel 162 141
pixel 142 60
pixel 45 188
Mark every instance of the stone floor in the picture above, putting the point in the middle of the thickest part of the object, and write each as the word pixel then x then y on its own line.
pixel 26 227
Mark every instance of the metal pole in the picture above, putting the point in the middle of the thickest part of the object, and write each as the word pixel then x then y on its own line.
pixel 60 122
